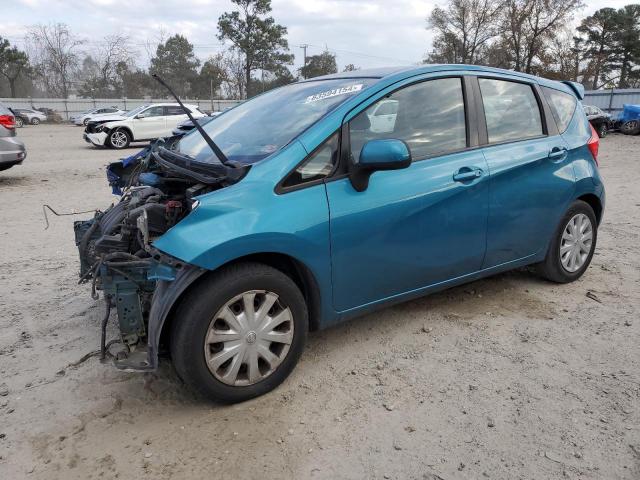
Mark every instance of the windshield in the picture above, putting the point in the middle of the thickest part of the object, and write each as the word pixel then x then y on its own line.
pixel 259 127
pixel 135 111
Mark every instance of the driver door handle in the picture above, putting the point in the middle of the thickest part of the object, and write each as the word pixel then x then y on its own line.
pixel 466 174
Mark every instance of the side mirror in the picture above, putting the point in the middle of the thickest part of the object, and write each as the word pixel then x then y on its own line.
pixel 388 154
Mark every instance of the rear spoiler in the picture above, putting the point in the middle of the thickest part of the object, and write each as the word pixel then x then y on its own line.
pixel 577 88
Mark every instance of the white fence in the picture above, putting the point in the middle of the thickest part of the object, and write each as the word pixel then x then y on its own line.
pixel 69 107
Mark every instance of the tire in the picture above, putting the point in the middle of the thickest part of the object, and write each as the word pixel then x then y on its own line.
pixel 119 139
pixel 632 127
pixel 35 121
pixel 85 122
pixel 198 320
pixel 603 130
pixel 553 268
pixel 19 122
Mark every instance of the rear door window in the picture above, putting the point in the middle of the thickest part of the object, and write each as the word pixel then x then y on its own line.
pixel 175 110
pixel 562 107
pixel 511 110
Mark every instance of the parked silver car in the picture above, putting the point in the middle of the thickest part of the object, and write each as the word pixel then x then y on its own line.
pixel 12 150
pixel 34 117
pixel 82 119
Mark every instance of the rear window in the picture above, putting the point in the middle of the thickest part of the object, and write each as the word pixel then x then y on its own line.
pixel 511 110
pixel 562 105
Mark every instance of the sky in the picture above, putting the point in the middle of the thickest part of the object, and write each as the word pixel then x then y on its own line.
pixel 367 33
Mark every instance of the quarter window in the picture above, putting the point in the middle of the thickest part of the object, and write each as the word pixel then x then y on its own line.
pixel 511 110
pixel 428 116
pixel 562 106
pixel 317 166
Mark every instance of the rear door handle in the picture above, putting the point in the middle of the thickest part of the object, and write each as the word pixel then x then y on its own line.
pixel 466 174
pixel 558 153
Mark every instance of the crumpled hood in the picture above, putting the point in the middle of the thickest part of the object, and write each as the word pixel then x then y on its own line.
pixel 109 117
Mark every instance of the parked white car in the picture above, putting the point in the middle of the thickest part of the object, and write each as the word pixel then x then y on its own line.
pixel 34 117
pixel 84 117
pixel 383 117
pixel 144 123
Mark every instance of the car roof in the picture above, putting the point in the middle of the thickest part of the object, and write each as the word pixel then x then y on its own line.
pixel 169 104
pixel 399 73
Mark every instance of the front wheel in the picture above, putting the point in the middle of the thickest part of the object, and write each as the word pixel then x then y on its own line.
pixel 572 246
pixel 19 122
pixel 239 333
pixel 119 139
pixel 35 121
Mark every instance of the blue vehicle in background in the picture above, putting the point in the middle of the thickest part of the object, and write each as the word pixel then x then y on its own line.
pixel 629 120
pixel 298 209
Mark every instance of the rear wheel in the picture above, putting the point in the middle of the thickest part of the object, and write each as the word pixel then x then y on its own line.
pixel 632 127
pixel 35 121
pixel 119 139
pixel 573 244
pixel 239 333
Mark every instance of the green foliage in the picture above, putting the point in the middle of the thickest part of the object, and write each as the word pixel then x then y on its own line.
pixel 318 65
pixel 176 63
pixel 14 63
pixel 210 79
pixel 259 39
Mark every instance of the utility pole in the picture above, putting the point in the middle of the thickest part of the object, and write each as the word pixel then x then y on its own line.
pixel 304 48
pixel 211 92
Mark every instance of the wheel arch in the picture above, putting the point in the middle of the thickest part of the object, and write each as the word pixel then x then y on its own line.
pixel 122 127
pixel 594 202
pixel 301 274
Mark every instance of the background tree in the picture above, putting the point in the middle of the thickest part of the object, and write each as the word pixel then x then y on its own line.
pixel 528 25
pixel 317 65
pixel 350 68
pixel 598 37
pixel 626 51
pixel 56 56
pixel 211 77
pixel 463 30
pixel 102 79
pixel 176 63
pixel 14 64
pixel 260 41
pixel 134 82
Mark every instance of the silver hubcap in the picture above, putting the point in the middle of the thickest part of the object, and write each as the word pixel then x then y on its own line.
pixel 248 338
pixel 118 139
pixel 577 240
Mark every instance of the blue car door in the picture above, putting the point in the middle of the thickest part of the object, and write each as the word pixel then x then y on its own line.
pixel 419 226
pixel 532 179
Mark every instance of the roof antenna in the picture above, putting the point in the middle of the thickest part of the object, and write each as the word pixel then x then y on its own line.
pixel 219 153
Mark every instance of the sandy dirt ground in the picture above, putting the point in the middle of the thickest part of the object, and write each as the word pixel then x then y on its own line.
pixel 505 378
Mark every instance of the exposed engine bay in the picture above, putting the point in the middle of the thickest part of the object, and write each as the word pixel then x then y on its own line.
pixel 158 189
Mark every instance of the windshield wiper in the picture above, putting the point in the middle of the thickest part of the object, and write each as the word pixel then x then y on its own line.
pixel 219 153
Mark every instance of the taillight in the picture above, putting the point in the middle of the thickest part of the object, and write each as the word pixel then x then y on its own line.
pixel 8 121
pixel 594 144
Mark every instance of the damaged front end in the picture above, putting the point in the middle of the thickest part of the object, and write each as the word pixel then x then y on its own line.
pixel 158 189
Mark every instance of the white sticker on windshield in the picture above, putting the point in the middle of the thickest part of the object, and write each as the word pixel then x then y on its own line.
pixel 334 93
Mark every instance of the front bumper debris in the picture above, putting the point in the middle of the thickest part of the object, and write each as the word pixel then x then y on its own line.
pixel 97 139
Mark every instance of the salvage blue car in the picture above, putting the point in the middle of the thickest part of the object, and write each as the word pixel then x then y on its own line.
pixel 330 198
